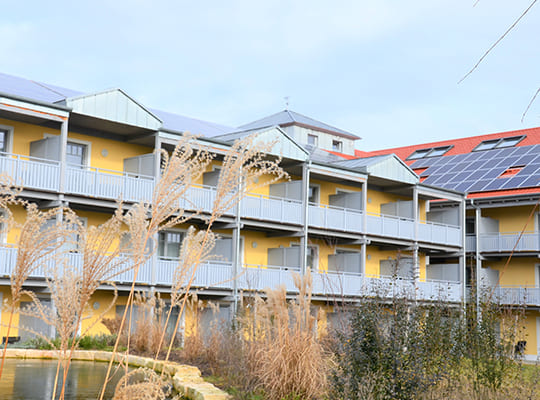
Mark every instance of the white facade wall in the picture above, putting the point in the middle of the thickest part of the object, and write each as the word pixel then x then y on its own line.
pixel 325 140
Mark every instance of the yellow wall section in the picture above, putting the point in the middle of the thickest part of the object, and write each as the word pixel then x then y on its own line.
pixel 330 188
pixel 530 333
pixel 375 256
pixel 519 272
pixel 25 133
pixel 512 219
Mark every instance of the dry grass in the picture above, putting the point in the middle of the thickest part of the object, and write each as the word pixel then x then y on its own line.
pixel 288 361
pixel 141 384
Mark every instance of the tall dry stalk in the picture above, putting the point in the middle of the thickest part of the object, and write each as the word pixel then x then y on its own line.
pixel 288 360
pixel 243 164
pixel 38 245
pixel 72 283
pixel 144 221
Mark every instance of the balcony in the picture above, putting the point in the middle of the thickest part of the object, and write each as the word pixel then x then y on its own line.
pixel 433 232
pixel 504 242
pixel 271 208
pixel 31 172
pixel 211 274
pixel 517 295
pixel 336 218
pixel 107 184
pixel 219 275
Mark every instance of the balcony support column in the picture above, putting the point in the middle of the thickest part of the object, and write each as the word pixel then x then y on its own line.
pixel 237 256
pixel 364 206
pixel 157 175
pixel 463 256
pixel 477 219
pixel 415 212
pixel 363 255
pixel 305 217
pixel 63 149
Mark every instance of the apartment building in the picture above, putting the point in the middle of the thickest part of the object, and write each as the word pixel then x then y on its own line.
pixel 500 174
pixel 357 223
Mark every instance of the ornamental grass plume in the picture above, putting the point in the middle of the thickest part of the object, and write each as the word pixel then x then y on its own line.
pixel 287 359
pixel 38 245
pixel 141 384
pixel 243 164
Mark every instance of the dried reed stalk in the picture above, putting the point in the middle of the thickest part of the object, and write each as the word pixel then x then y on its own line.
pixel 287 359
pixel 38 245
pixel 244 163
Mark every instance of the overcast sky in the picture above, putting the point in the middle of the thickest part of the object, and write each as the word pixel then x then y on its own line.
pixel 384 70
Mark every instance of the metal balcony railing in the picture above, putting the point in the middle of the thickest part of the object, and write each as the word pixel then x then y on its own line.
pixel 220 275
pixel 31 172
pixel 337 218
pixel 517 295
pixel 507 241
pixel 107 184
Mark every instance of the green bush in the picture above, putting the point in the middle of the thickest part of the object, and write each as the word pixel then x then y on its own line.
pixel 402 350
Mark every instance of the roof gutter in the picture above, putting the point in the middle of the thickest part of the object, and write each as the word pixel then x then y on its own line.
pixel 36 102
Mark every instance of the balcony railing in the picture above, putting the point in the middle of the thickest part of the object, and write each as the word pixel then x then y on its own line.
pixel 337 218
pixel 271 208
pixel 211 274
pixel 93 182
pixel 219 275
pixel 517 295
pixel 107 184
pixel 432 232
pixel 31 172
pixel 505 242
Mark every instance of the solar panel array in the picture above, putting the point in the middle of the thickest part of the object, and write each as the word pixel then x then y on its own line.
pixel 481 171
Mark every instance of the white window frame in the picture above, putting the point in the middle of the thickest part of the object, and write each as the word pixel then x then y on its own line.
pixel 315 139
pixel 87 150
pixel 318 193
pixel 9 137
pixel 171 230
pixel 338 144
pixel 3 234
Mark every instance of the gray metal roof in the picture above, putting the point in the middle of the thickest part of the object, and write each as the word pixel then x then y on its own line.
pixel 288 117
pixel 33 90
pixel 180 123
pixel 388 166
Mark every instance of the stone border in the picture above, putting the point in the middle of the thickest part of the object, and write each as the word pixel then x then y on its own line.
pixel 186 379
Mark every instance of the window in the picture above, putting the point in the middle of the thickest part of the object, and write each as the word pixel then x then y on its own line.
pixel 470 226
pixel 312 258
pixel 3 226
pixel 6 134
pixel 76 154
pixel 431 152
pixel 337 146
pixel 169 244
pixel 512 171
pixel 499 143
pixel 313 194
pixel 313 140
pixel 3 141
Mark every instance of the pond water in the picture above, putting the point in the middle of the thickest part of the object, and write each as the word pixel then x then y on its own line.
pixel 34 380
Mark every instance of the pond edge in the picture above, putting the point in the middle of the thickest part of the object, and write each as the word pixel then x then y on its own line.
pixel 186 379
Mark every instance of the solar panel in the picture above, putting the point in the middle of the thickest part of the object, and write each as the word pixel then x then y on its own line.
pixel 531 181
pixel 526 159
pixel 514 182
pixel 464 186
pixel 495 184
pixel 478 186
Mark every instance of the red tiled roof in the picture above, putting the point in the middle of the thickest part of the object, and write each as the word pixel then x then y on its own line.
pixel 461 146
pixel 346 156
pixel 503 193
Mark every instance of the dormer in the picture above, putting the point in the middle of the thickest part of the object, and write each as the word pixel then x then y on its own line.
pixel 308 132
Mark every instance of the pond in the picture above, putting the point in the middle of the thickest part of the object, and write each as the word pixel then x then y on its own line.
pixel 34 380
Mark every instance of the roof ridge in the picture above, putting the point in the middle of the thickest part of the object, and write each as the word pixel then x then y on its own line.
pixel 48 88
